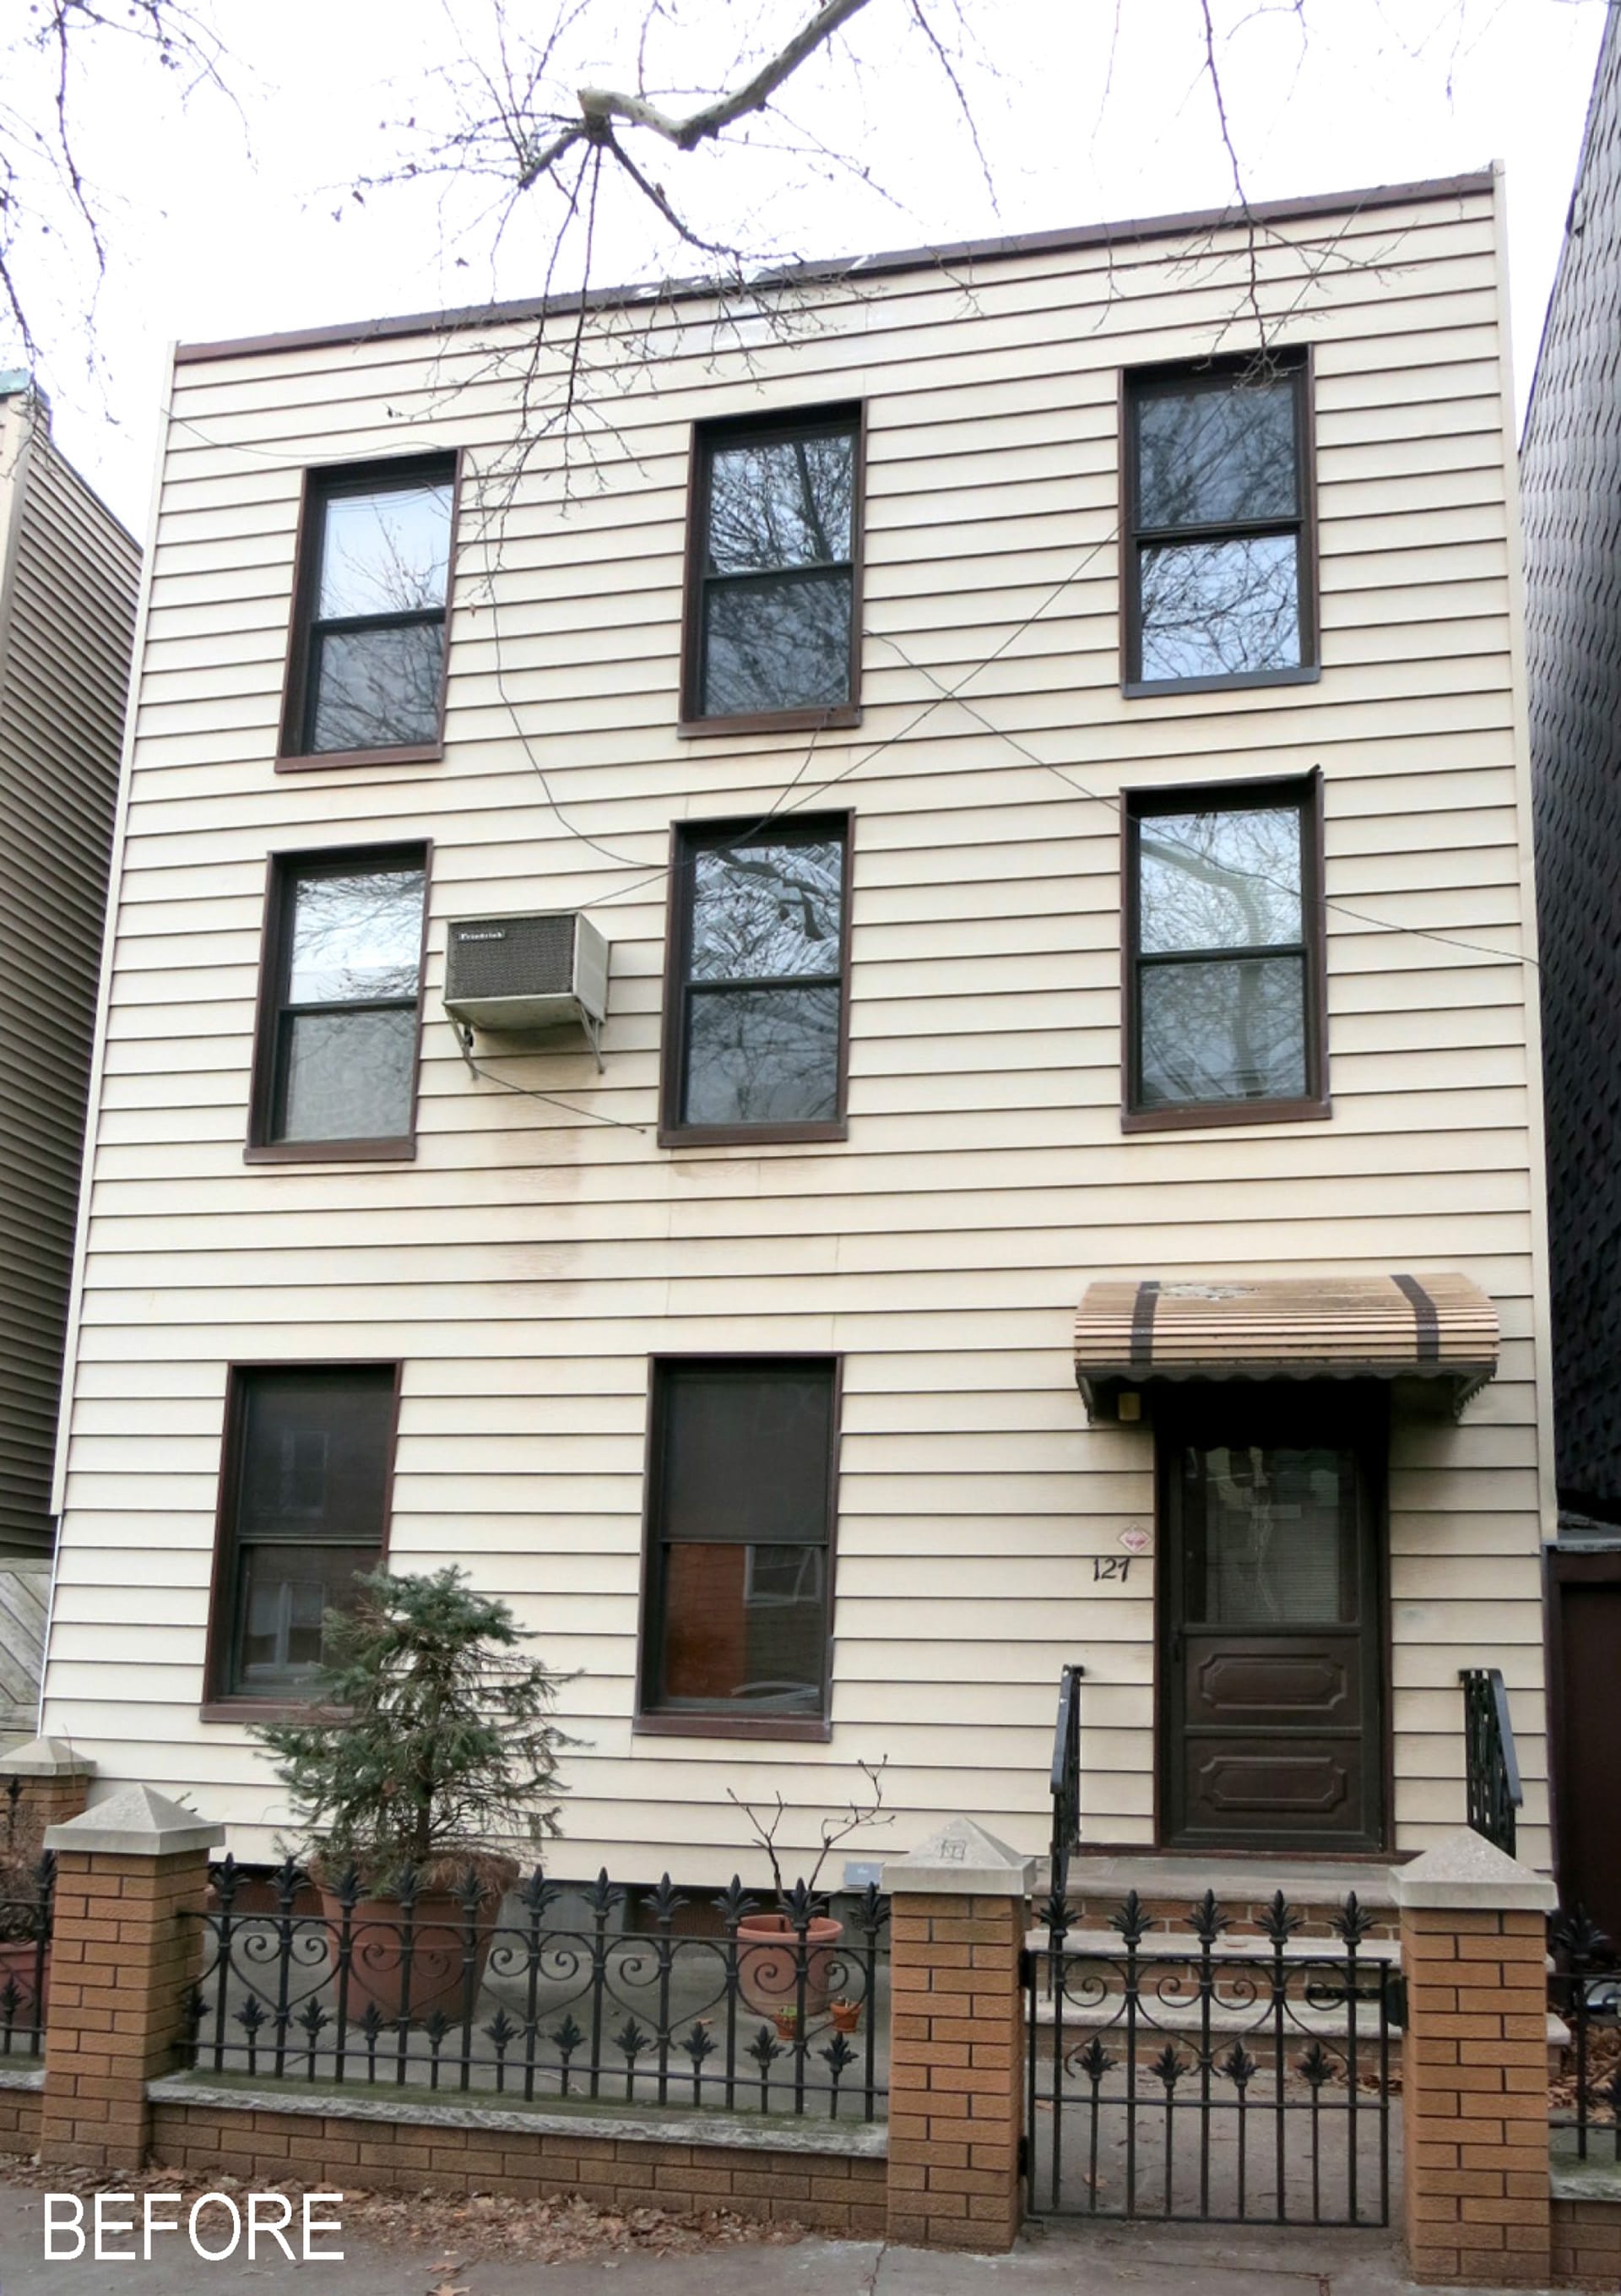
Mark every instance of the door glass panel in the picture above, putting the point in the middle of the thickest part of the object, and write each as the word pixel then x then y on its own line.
pixel 1271 1535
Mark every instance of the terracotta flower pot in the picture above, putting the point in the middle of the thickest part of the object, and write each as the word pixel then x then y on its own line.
pixel 768 1962
pixel 439 1949
pixel 846 2015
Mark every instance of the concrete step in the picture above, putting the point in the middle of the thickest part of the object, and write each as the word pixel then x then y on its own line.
pixel 1178 1880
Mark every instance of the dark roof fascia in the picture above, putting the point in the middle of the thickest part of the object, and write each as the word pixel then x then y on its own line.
pixel 859 267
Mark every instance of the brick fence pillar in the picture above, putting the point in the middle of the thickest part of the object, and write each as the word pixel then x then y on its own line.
pixel 123 1963
pixel 42 1783
pixel 1475 2064
pixel 956 2039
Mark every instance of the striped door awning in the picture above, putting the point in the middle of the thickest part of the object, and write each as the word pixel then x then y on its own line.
pixel 1438 1328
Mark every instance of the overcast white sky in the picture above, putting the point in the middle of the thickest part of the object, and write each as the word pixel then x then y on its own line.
pixel 225 225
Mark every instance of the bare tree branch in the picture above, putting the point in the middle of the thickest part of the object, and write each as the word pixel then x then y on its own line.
pixel 598 105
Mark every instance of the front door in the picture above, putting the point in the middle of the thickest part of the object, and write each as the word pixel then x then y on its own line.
pixel 1271 1725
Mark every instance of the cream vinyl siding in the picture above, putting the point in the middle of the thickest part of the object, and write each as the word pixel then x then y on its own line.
pixel 535 1256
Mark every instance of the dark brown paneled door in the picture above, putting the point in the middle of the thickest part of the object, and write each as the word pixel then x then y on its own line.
pixel 1272 1712
pixel 1586 1609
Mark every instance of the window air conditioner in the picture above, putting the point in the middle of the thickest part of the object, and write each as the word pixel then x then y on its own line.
pixel 518 974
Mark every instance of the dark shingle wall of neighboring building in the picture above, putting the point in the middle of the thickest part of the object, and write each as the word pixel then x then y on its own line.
pixel 1571 469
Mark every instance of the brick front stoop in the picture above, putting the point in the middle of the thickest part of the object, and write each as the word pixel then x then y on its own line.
pixel 122 1968
pixel 957 2040
pixel 1475 2065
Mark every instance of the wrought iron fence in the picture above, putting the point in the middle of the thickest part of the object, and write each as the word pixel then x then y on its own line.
pixel 25 1959
pixel 1216 2076
pixel 1585 1993
pixel 1491 1766
pixel 589 1992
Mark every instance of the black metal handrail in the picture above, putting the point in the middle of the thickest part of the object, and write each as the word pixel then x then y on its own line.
pixel 580 1991
pixel 1490 1767
pixel 1066 1778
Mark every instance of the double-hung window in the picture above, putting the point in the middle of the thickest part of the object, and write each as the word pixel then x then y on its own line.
pixel 772 560
pixel 1219 578
pixel 737 1587
pixel 303 1510
pixel 366 673
pixel 1225 956
pixel 756 1010
pixel 340 983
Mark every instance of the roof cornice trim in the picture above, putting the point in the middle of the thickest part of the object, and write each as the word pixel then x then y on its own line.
pixel 858 266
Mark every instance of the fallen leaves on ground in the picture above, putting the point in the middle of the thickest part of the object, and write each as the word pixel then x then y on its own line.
pixel 450 2230
pixel 1603 2064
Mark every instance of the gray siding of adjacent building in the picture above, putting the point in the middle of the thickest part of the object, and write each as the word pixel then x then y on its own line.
pixel 67 613
pixel 1571 464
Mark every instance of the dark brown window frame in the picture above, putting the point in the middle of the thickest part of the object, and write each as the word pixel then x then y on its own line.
pixel 720 431
pixel 684 836
pixel 1302 789
pixel 694 1722
pixel 1135 383
pixel 218 1704
pixel 321 481
pixel 281 869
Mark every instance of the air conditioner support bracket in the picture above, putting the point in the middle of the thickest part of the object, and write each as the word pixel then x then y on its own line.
pixel 594 1032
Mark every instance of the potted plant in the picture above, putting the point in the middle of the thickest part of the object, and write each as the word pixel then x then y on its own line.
pixel 792 1947
pixel 429 1755
pixel 25 1935
pixel 845 2013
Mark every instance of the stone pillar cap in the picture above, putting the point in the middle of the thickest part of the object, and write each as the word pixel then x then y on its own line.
pixel 46 1758
pixel 1468 1873
pixel 136 1822
pixel 962 1860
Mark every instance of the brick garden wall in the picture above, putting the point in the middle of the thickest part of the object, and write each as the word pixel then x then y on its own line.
pixel 20 2121
pixel 1587 2244
pixel 829 2193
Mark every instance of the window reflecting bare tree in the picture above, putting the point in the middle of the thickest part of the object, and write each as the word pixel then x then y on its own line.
pixel 1220 957
pixel 763 983
pixel 777 581
pixel 347 1024
pixel 1213 452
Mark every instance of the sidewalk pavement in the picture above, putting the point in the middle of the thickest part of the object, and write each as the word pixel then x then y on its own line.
pixel 1116 2259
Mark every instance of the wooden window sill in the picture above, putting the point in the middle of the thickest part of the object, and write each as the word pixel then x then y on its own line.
pixel 774 721
pixel 407 753
pixel 1138 689
pixel 1219 1114
pixel 808 1728
pixel 331 1151
pixel 261 1710
pixel 749 1135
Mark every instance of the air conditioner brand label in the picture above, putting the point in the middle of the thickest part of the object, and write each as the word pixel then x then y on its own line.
pixel 492 935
